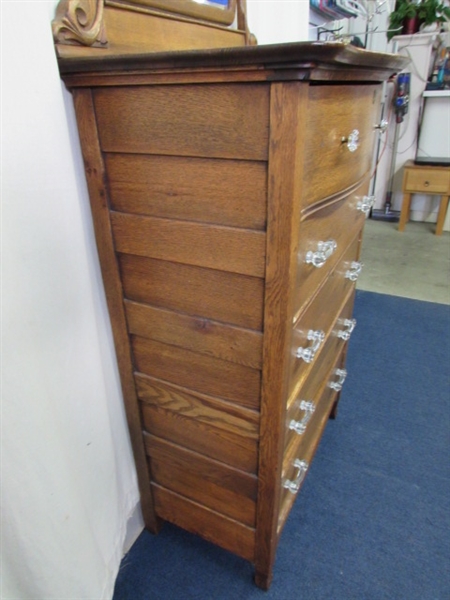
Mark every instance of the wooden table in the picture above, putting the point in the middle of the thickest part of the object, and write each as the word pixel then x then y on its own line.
pixel 425 179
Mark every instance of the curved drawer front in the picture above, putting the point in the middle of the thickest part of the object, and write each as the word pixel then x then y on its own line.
pixel 303 403
pixel 299 455
pixel 336 157
pixel 315 324
pixel 324 236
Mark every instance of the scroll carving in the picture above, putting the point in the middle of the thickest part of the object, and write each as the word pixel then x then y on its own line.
pixel 80 22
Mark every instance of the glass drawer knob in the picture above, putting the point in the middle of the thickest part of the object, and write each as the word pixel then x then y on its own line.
pixel 352 141
pixel 322 254
pixel 294 485
pixel 308 354
pixel 365 204
pixel 354 271
pixel 337 385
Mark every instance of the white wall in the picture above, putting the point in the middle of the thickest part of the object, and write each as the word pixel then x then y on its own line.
pixel 278 21
pixel 68 480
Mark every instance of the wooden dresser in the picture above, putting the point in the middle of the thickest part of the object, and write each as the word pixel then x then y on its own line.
pixel 229 192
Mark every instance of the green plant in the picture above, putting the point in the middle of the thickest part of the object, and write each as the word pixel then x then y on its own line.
pixel 433 11
pixel 426 11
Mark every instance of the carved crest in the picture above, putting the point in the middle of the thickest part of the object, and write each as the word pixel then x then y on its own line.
pixel 80 22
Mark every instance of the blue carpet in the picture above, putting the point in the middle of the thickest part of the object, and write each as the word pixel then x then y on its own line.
pixel 372 519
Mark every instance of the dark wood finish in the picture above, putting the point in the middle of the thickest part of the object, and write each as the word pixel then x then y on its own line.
pixel 223 166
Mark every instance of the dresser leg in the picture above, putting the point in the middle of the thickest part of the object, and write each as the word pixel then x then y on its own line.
pixel 441 214
pixel 334 409
pixel 263 580
pixel 404 215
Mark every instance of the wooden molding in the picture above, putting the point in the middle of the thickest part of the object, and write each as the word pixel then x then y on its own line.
pixel 80 22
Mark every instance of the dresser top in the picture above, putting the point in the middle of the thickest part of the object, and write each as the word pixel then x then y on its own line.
pixel 292 61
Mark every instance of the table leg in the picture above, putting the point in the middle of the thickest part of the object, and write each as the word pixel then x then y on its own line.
pixel 404 215
pixel 441 214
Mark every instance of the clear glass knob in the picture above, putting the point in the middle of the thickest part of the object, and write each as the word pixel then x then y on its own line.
pixel 365 204
pixel 322 254
pixel 352 141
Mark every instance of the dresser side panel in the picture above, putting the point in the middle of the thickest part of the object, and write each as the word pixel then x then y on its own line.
pixel 95 176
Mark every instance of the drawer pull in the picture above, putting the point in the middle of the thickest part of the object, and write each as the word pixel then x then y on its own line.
pixel 337 385
pixel 322 254
pixel 294 485
pixel 308 354
pixel 354 271
pixel 365 204
pixel 349 325
pixel 300 426
pixel 426 183
pixel 382 127
pixel 352 141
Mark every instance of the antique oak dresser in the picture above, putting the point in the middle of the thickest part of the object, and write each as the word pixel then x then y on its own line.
pixel 228 191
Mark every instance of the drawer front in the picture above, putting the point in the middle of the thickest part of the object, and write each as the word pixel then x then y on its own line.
pixel 304 401
pixel 299 455
pixel 429 181
pixel 319 317
pixel 323 237
pixel 332 164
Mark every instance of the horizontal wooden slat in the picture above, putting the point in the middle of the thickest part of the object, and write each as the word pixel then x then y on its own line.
pixel 226 446
pixel 222 121
pixel 193 405
pixel 210 525
pixel 212 246
pixel 225 192
pixel 198 372
pixel 241 346
pixel 209 482
pixel 218 295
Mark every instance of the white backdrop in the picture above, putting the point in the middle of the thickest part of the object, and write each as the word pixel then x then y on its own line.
pixel 68 479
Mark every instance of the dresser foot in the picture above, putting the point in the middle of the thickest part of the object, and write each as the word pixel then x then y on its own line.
pixel 263 580
pixel 334 410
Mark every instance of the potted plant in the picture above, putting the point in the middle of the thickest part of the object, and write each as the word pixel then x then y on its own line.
pixel 409 15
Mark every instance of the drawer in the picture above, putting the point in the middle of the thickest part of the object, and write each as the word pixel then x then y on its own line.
pixel 431 181
pixel 314 325
pixel 304 401
pixel 299 455
pixel 210 483
pixel 323 237
pixel 331 164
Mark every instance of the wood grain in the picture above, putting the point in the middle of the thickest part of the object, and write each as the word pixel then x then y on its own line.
pixel 198 372
pixel 209 482
pixel 206 434
pixel 212 246
pixel 210 525
pixel 221 121
pixel 234 344
pixel 224 192
pixel 288 119
pixel 339 222
pixel 218 295
pixel 95 176
pixel 338 110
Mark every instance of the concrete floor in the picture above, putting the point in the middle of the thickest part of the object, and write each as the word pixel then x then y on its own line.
pixel 412 264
